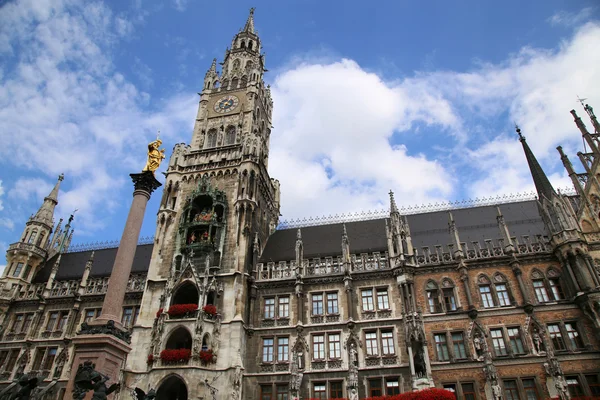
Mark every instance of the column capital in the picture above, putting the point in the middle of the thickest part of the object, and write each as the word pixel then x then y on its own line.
pixel 145 182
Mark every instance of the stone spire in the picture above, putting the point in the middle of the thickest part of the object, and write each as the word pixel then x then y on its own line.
pixel 249 27
pixel 542 184
pixel 393 206
pixel 45 214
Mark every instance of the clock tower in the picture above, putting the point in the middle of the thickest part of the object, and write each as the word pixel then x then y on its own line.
pixel 218 208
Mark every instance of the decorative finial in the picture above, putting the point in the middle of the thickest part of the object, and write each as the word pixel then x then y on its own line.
pixel 299 234
pixel 521 137
pixel 393 207
pixel 345 233
pixel 61 177
pixel 252 10
pixel 155 155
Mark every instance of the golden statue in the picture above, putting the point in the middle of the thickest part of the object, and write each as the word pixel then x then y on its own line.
pixel 155 156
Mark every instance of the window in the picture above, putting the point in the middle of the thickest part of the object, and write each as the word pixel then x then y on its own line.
pixel 3 356
pixel 281 304
pixel 367 300
pixel 266 392
pixel 52 321
pixel 230 135
pixel 541 293
pixel 62 320
pixel 573 335
pixel 267 350
pixel 371 342
pixel 556 289
pixel 574 386
pixel 32 237
pixel 282 392
pixel 317 304
pixel 529 389
pixel 441 347
pixel 592 381
pixel 283 344
pixel 556 337
pixel 449 299
pixel 468 391
pixel 335 390
pixel 49 360
pixel 18 270
pixel 383 302
pixel 27 271
pixel 91 313
pixel 211 139
pixel 27 323
pixel 510 390
pixel 516 343
pixel 332 303
pixel 39 356
pixel 387 343
pixel 12 360
pixel 318 347
pixel 392 386
pixel 284 307
pixel 458 342
pixel 335 350
pixel 486 296
pixel 375 387
pixel 18 324
pixel 129 317
pixel 433 298
pixel 269 308
pixel 502 293
pixel 320 390
pixel 451 387
pixel 498 342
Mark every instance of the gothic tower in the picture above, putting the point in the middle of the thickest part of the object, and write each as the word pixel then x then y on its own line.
pixel 218 207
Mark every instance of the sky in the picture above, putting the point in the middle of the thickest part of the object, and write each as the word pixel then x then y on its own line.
pixel 416 97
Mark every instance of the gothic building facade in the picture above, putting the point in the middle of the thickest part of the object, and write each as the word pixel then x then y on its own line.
pixel 488 301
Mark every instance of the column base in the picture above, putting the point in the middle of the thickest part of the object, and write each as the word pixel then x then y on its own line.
pixel 107 352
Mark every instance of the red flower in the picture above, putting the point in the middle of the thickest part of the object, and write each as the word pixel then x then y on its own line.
pixel 177 310
pixel 210 309
pixel 427 394
pixel 150 358
pixel 160 311
pixel 207 356
pixel 175 355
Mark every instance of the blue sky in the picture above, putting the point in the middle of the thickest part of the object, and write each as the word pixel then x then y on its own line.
pixel 418 97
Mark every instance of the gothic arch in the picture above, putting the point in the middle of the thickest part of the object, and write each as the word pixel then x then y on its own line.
pixel 179 338
pixel 211 138
pixel 586 226
pixel 552 272
pixel 172 387
pixel 537 274
pixel 186 293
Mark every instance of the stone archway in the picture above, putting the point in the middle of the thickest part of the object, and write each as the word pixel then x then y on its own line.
pixel 172 388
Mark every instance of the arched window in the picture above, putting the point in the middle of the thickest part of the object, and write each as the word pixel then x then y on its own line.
pixel 449 295
pixel 187 293
pixel 40 241
pixel 243 45
pixel 211 138
pixel 172 388
pixel 230 135
pixel 236 64
pixel 244 81
pixel 494 294
pixel 205 342
pixel 234 83
pixel 250 44
pixel 179 339
pixel 225 84
pixel 32 236
pixel 210 298
pixel 433 297
pixel 547 288
pixel 249 65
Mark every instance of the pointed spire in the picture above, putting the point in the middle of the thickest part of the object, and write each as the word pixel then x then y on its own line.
pixel 542 184
pixel 584 132
pixel 571 171
pixel 45 214
pixel 393 206
pixel 213 66
pixel 249 27
pixel 590 111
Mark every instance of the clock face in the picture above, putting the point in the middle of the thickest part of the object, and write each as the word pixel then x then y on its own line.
pixel 226 104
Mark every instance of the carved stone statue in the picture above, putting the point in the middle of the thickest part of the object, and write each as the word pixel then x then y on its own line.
pixel 496 390
pixel 479 345
pixel 87 378
pixel 419 362
pixel 27 388
pixel 538 343
pixel 561 386
pixel 141 395
pixel 352 369
pixel 155 156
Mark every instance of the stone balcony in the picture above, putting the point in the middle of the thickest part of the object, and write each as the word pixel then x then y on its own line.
pixel 29 248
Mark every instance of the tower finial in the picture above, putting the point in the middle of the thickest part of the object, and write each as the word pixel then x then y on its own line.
pixel 393 207
pixel 521 137
pixel 542 184
pixel 249 27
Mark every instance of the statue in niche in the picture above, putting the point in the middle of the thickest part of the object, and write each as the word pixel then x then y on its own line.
pixel 496 390
pixel 419 362
pixel 538 343
pixel 561 386
pixel 192 238
pixel 479 345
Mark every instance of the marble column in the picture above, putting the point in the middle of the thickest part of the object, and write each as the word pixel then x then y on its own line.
pixel 145 183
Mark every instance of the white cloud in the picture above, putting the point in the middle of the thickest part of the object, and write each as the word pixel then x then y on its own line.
pixel 64 107
pixel 180 5
pixel 569 19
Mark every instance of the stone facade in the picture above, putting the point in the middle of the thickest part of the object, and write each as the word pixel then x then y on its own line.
pixel 487 301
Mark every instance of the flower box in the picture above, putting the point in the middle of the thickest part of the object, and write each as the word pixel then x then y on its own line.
pixel 207 356
pixel 175 355
pixel 210 309
pixel 180 310
pixel 427 394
